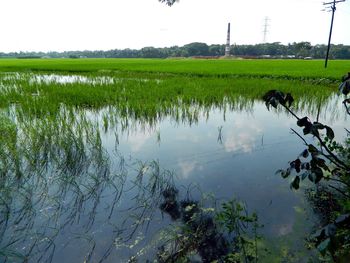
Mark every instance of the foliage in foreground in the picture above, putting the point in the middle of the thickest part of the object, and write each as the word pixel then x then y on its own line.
pixel 327 161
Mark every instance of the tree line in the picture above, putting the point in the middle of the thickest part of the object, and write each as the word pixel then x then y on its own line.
pixel 198 49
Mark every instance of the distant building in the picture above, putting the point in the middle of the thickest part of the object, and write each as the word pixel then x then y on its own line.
pixel 228 47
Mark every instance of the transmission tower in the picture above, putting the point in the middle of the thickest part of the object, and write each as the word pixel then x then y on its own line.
pixel 332 6
pixel 266 26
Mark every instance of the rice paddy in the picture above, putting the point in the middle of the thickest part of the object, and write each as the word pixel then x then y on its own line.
pixel 88 146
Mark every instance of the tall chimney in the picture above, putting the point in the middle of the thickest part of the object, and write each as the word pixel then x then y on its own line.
pixel 227 48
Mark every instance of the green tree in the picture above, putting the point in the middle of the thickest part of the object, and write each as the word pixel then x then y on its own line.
pixel 197 49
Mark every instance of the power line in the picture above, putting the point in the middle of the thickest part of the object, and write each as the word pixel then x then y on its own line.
pixel 332 6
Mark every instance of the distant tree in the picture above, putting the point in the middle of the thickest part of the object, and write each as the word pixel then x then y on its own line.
pixel 302 49
pixel 151 52
pixel 216 50
pixel 197 49
pixel 341 51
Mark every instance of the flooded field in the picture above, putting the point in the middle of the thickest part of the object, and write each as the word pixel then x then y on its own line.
pixel 85 161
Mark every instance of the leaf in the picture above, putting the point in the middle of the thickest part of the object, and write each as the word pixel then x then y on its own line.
pixel 305 153
pixel 297 164
pixel 330 133
pixel 321 163
pixel 289 99
pixel 346 77
pixel 331 230
pixel 318 125
pixel 295 183
pixel 342 219
pixel 312 149
pixel 314 130
pixel 285 173
pixel 322 247
pixel 303 122
pixel 316 175
pixel 307 129
pixel 344 87
pixel 279 95
pixel 307 166
pixel 304 175
pixel 273 102
pixel 319 234
pixel 336 172
pixel 269 94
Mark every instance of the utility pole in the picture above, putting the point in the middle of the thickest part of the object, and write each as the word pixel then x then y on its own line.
pixel 266 25
pixel 228 47
pixel 333 8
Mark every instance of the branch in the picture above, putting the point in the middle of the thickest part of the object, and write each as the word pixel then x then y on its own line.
pixel 287 108
pixel 294 131
pixel 340 191
pixel 339 181
pixel 346 107
pixel 336 159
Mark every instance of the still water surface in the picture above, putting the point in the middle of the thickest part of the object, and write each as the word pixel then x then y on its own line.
pixel 102 210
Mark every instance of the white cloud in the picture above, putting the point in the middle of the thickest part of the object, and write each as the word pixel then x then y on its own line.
pixel 187 167
pixel 137 140
pixel 242 136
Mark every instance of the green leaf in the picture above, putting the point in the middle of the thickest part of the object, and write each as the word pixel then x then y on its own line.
pixel 312 149
pixel 323 246
pixel 296 165
pixel 321 163
pixel 316 175
pixel 289 99
pixel 308 129
pixel 314 130
pixel 330 133
pixel 303 122
pixel 318 125
pixel 295 183
pixel 304 175
pixel 305 153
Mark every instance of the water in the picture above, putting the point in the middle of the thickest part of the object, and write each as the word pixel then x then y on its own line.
pixel 91 191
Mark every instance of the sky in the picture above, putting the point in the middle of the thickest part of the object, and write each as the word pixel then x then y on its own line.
pixel 62 25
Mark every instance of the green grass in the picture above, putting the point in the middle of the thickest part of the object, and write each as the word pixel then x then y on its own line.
pixel 149 86
pixel 224 68
pixel 141 95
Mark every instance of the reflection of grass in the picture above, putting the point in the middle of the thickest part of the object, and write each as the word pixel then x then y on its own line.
pixel 55 174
